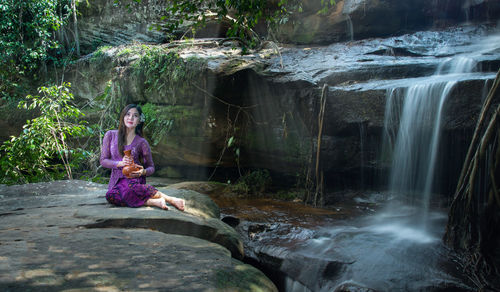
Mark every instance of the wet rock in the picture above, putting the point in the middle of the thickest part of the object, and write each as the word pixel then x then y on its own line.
pixel 314 272
pixel 352 287
pixel 231 221
pixel 391 51
pixel 64 235
pixel 346 257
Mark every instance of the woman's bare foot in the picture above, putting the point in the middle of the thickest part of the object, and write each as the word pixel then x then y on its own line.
pixel 176 202
pixel 160 203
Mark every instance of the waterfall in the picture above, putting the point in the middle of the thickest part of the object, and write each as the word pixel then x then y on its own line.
pixel 350 29
pixel 412 130
pixel 418 109
pixel 467 6
pixel 362 135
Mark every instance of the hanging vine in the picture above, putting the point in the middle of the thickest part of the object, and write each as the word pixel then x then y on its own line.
pixel 474 221
pixel 318 186
pixel 231 128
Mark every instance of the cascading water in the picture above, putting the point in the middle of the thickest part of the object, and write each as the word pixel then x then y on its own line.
pixel 350 29
pixel 348 8
pixel 417 140
pixel 399 247
pixel 391 247
pixel 418 110
pixel 362 137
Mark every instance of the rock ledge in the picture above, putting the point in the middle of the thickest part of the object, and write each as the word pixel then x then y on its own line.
pixel 64 236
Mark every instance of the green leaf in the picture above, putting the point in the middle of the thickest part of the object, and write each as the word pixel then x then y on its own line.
pixel 37 153
pixel 230 141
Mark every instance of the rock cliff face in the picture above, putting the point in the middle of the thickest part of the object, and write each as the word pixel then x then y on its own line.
pixel 358 19
pixel 225 111
pixel 268 104
pixel 106 23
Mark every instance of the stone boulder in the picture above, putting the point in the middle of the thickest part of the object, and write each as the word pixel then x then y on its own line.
pixel 63 235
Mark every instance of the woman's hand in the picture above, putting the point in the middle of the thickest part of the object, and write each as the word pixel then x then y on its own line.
pixel 125 161
pixel 139 172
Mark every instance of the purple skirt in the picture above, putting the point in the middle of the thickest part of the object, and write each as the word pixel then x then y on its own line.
pixel 130 192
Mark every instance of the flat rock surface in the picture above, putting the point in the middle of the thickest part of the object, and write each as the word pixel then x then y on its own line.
pixel 64 236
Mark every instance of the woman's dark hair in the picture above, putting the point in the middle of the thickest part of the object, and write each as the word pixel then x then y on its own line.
pixel 122 130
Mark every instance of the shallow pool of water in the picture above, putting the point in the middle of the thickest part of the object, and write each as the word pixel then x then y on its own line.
pixel 364 243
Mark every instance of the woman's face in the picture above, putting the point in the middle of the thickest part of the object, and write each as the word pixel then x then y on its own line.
pixel 131 119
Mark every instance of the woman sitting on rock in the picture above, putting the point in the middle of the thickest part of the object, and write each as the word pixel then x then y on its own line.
pixel 132 191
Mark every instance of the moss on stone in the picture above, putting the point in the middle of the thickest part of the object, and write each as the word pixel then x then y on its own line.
pixel 178 120
pixel 100 54
pixel 293 146
pixel 164 73
pixel 242 277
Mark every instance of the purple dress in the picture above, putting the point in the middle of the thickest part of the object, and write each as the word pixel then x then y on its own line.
pixel 122 191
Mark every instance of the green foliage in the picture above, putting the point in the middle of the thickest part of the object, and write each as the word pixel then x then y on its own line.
pixel 166 72
pixel 27 39
pixel 93 177
pixel 325 4
pixel 100 53
pixel 108 106
pixel 289 194
pixel 254 182
pixel 129 50
pixel 178 120
pixel 104 111
pixel 242 15
pixel 41 151
pixel 155 125
pixel 232 144
pixel 247 13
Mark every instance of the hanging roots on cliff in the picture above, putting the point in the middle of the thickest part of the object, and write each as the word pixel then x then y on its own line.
pixel 316 187
pixel 474 221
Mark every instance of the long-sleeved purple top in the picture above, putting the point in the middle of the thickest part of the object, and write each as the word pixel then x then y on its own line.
pixel 110 156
